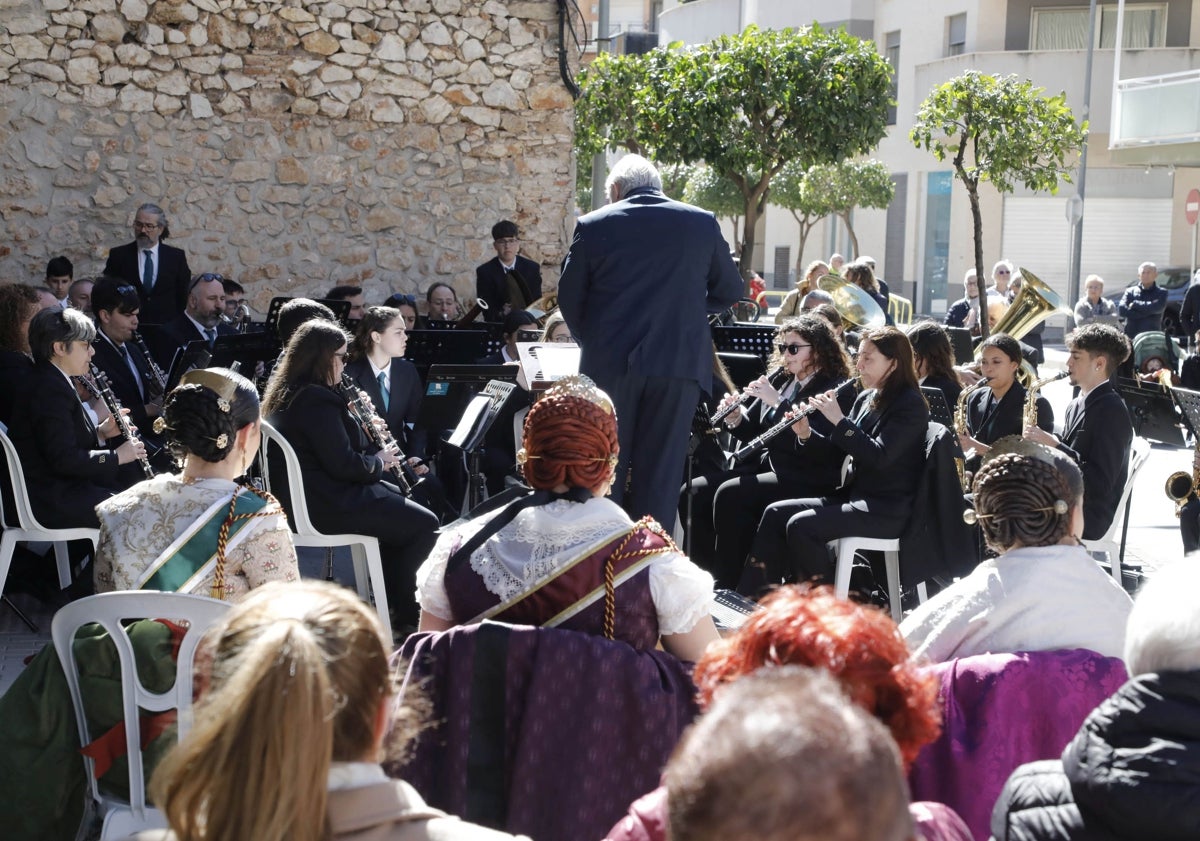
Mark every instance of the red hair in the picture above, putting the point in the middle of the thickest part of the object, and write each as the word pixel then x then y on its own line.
pixel 568 441
pixel 860 646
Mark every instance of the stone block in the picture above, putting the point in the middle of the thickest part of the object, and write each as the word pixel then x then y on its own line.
pixel 293 14
pixel 133 55
pixel 478 73
pixel 227 33
pixel 30 48
pixel 45 70
pixel 99 96
pixel 200 107
pixel 135 10
pixel 231 103
pixel 435 109
pixel 320 43
pixel 276 101
pixel 109 28
pixel 471 50
pixel 110 195
pixel 348 59
pixel 290 171
pixel 481 116
pixel 243 171
pixel 201 65
pixel 332 73
pixel 173 84
pixel 84 70
pixel 499 94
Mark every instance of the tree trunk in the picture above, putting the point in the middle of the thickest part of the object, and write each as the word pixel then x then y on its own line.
pixel 845 217
pixel 977 229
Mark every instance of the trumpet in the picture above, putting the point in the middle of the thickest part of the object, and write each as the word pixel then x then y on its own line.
pixel 100 388
pixel 743 398
pixel 381 437
pixel 761 441
pixel 156 374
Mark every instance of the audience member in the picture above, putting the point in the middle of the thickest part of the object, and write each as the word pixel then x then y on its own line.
pixel 1044 592
pixel 836 261
pixel 965 311
pixel 508 281
pixel 1133 771
pixel 791 302
pixel 59 275
pixel 1093 306
pixel 1001 275
pixel 159 271
pixel 861 274
pixel 80 295
pixel 46 298
pixel 1142 305
pixel 353 294
pixel 815 298
pixel 783 756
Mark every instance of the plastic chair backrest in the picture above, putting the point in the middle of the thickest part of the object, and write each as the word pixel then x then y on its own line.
pixel 16 482
pixel 198 613
pixel 295 481
pixel 1139 452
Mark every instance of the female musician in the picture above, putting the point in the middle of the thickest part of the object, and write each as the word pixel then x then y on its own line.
pixel 1044 592
pixel 885 434
pixel 934 359
pixel 297 696
pixel 67 470
pixel 18 305
pixel 343 473
pixel 812 362
pixel 407 305
pixel 557 330
pixel 790 308
pixel 170 532
pixel 542 559
pixel 998 409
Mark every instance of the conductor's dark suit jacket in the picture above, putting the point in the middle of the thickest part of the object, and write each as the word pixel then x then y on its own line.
pixel 66 470
pixel 169 296
pixel 1097 434
pixel 492 286
pixel 638 284
pixel 404 404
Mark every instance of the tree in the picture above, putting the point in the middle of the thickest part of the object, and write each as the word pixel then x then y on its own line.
pixel 713 191
pixel 1001 130
pixel 744 104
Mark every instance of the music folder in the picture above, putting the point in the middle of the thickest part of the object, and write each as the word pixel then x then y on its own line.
pixel 542 363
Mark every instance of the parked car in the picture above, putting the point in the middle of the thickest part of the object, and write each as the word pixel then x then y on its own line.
pixel 1174 279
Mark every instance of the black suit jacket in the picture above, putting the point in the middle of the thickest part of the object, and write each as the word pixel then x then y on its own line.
pixel 66 470
pixel 990 420
pixel 404 404
pixel 109 360
pixel 491 285
pixel 888 448
pixel 638 284
pixel 169 296
pixel 1098 433
pixel 166 339
pixel 15 368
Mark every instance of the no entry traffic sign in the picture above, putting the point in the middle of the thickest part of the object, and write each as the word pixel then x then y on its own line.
pixel 1192 206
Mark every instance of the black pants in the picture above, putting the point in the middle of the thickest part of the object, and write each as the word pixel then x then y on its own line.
pixel 1189 525
pixel 792 535
pixel 654 418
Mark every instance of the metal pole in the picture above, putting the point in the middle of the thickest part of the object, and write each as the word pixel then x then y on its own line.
pixel 1081 189
pixel 600 160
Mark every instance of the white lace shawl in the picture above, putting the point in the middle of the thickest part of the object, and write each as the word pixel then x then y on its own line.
pixel 543 539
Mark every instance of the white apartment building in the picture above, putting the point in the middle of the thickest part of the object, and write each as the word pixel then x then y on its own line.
pixel 1143 157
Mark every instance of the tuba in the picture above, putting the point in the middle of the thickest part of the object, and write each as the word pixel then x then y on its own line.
pixel 859 311
pixel 544 307
pixel 1034 304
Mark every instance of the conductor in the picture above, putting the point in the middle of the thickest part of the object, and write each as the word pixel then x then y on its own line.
pixel 640 257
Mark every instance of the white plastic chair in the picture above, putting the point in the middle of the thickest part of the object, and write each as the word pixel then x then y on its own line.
pixel 197 613
pixel 1113 541
pixel 846 547
pixel 27 529
pixel 364 549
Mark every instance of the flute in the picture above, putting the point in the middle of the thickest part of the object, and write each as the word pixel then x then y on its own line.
pixel 761 441
pixel 156 373
pixel 406 477
pixel 103 390
pixel 744 398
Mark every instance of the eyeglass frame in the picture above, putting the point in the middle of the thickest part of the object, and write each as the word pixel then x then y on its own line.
pixel 790 349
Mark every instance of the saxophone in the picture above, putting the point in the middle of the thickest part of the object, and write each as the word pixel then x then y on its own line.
pixel 960 427
pixel 1031 398
pixel 1181 487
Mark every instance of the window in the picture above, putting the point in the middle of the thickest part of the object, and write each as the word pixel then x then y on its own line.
pixel 892 53
pixel 1066 28
pixel 956 34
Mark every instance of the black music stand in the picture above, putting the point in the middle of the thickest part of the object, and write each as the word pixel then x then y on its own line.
pixel 449 389
pixel 341 311
pixel 1189 407
pixel 427 348
pixel 939 409
pixel 963 344
pixel 191 356
pixel 745 338
pixel 472 429
pixel 1152 410
pixel 245 350
pixel 743 368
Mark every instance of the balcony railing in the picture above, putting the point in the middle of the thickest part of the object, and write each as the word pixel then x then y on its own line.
pixel 1154 110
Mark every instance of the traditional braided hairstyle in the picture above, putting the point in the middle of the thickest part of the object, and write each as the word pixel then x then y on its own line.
pixel 200 421
pixel 570 437
pixel 1025 498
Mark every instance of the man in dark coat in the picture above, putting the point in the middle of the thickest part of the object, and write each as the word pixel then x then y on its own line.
pixel 636 289
pixel 159 271
pixel 491 279
pixel 200 321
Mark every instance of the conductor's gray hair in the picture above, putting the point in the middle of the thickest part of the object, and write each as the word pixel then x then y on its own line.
pixel 1163 631
pixel 630 173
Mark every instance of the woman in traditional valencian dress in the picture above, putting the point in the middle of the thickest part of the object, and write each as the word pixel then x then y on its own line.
pixel 543 558
pixel 164 533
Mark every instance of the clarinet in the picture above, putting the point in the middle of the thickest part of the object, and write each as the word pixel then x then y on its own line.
pixel 790 418
pixel 406 477
pixel 103 390
pixel 744 398
pixel 156 374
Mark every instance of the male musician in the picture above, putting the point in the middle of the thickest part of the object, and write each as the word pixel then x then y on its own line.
pixel 641 256
pixel 201 320
pixel 130 374
pixel 59 274
pixel 1097 432
pixel 442 303
pixel 80 296
pixel 159 271
pixel 507 275
pixel 353 294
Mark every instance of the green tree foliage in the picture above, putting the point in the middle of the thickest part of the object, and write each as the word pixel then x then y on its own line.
pixel 744 104
pixel 1000 130
pixel 709 189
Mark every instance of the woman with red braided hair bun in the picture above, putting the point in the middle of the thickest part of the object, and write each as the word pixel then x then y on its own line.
pixel 561 554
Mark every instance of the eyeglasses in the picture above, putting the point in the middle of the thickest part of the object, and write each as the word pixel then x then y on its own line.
pixel 146 226
pixel 1002 271
pixel 792 349
pixel 507 241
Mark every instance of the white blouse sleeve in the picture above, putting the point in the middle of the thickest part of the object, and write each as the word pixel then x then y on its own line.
pixel 431 577
pixel 682 592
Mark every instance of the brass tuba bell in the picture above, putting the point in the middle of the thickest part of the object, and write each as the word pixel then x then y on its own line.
pixel 859 311
pixel 1034 303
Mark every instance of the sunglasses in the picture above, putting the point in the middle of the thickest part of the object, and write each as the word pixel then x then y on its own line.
pixel 791 349
pixel 1001 271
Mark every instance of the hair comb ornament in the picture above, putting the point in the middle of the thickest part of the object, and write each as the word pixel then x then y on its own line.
pixel 1060 507
pixel 225 388
pixel 582 387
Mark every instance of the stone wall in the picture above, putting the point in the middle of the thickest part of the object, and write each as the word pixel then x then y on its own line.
pixel 294 145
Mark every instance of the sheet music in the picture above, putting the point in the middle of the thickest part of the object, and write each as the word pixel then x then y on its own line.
pixel 473 415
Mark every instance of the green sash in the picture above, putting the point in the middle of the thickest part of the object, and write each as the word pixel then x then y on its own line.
pixel 193 555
